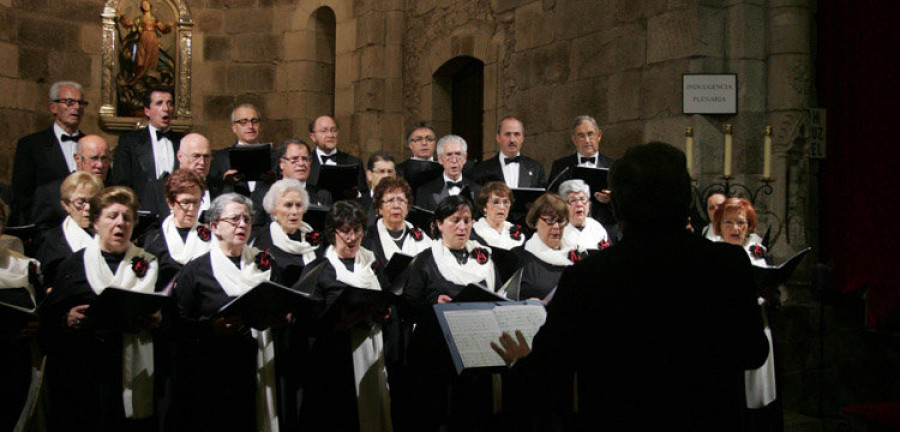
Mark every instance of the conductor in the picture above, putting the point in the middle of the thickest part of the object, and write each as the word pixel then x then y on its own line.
pixel 657 342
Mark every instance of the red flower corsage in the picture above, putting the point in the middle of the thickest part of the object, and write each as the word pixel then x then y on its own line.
pixel 203 232
pixel 516 232
pixel 140 266
pixel 417 234
pixel 758 250
pixel 604 244
pixel 574 256
pixel 263 260
pixel 314 238
pixel 33 273
pixel 481 255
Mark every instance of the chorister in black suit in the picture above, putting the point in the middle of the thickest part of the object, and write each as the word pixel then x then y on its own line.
pixel 134 164
pixel 430 194
pixel 339 158
pixel 531 172
pixel 39 160
pixel 601 212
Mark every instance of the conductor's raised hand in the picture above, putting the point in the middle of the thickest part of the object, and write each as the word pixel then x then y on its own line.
pixel 511 350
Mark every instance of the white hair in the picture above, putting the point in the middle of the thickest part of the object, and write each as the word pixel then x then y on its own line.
pixel 281 187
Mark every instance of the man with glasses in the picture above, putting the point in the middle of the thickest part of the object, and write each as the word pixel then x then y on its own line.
pixel 48 155
pixel 92 155
pixel 452 151
pixel 509 165
pixel 294 163
pixel 148 154
pixel 194 154
pixel 323 132
pixel 381 165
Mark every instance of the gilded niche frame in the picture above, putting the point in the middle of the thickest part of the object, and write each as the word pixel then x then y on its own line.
pixel 182 28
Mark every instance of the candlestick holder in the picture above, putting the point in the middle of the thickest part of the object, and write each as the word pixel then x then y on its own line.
pixel 730 188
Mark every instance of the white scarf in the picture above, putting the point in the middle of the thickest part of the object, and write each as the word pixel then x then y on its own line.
pixel 411 246
pixel 557 257
pixel 760 382
pixel 236 281
pixel 180 250
pixel 137 348
pixel 14 270
pixel 370 376
pixel 76 236
pixel 281 240
pixel 501 239
pixel 463 274
pixel 588 237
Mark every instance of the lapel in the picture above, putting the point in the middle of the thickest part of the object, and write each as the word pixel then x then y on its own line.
pixel 145 153
pixel 527 172
pixel 50 146
pixel 313 169
pixel 495 168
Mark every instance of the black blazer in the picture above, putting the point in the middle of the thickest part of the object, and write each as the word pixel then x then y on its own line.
pixel 531 172
pixel 133 164
pixel 46 211
pixel 340 158
pixel 39 160
pixel 430 194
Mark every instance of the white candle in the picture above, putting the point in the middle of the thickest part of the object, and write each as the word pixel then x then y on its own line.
pixel 689 151
pixel 767 154
pixel 727 171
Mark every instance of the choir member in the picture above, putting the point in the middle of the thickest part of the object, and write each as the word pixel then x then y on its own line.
pixel 19 279
pixel 496 200
pixel 101 375
pixel 546 254
pixel 181 237
pixel 74 233
pixel 437 276
pixel 583 231
pixel 224 374
pixel 347 386
pixel 391 233
pixel 735 223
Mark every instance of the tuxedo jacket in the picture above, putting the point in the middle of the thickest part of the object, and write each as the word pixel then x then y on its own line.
pixel 531 172
pixel 340 158
pixel 134 165
pixel 430 194
pixel 38 160
pixel 601 212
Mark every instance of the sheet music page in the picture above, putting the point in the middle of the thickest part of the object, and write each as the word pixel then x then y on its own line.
pixel 527 318
pixel 473 331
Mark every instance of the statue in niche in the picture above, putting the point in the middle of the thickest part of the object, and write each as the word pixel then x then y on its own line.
pixel 143 59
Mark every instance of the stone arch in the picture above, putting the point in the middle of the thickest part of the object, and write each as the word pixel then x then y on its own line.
pixel 458 101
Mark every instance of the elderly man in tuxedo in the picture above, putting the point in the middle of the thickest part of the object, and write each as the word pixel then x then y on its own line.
pixel 194 153
pixel 323 132
pixel 48 155
pixel 509 165
pixel 145 155
pixel 452 153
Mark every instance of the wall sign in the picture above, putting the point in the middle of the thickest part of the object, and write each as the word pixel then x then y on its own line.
pixel 709 93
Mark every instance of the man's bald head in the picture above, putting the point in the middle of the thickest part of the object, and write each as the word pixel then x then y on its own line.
pixel 194 153
pixel 93 155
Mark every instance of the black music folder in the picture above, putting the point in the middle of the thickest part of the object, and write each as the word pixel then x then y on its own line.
pixel 506 261
pixel 117 307
pixel 469 329
pixel 420 218
pixel 264 304
pixel 340 180
pixel 315 217
pixel 252 160
pixel 596 178
pixel 777 275
pixel 419 172
pixel 17 307
pixel 397 271
pixel 524 198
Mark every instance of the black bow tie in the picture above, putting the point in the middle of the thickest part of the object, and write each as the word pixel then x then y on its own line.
pixel 161 134
pixel 508 161
pixel 592 159
pixel 73 138
pixel 328 158
pixel 451 184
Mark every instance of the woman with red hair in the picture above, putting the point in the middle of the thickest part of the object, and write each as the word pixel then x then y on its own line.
pixel 736 224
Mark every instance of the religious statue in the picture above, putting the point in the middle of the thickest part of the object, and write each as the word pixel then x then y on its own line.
pixel 144 61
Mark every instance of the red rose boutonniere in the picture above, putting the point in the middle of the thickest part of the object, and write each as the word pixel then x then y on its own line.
pixel 140 266
pixel 417 234
pixel 263 260
pixel 314 238
pixel 574 256
pixel 758 250
pixel 604 244
pixel 203 232
pixel 516 232
pixel 481 255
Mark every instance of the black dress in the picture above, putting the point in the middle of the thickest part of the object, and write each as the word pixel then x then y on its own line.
pixel 214 375
pixel 439 399
pixel 54 249
pixel 538 277
pixel 19 356
pixel 154 241
pixel 288 266
pixel 84 367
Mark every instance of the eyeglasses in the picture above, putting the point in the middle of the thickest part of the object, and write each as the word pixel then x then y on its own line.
pixel 550 220
pixel 730 223
pixel 197 156
pixel 105 160
pixel 79 203
pixel 584 136
pixel 350 233
pixel 396 201
pixel 71 102
pixel 576 201
pixel 453 156
pixel 246 122
pixel 420 140
pixel 189 204
pixel 296 159
pixel 500 203
pixel 237 219
pixel 333 130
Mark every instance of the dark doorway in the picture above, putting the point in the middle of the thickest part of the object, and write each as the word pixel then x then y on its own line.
pixel 459 102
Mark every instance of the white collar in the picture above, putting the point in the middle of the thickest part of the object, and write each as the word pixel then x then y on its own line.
pixel 463 274
pixel 495 239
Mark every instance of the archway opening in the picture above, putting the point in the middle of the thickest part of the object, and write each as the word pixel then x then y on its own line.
pixel 458 101
pixel 319 82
